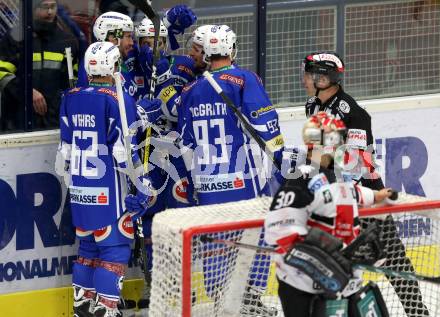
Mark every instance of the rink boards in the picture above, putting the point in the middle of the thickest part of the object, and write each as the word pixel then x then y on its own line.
pixel 34 268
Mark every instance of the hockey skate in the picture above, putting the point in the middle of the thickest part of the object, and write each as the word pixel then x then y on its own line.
pixel 83 305
pixel 252 305
pixel 102 310
pixel 127 307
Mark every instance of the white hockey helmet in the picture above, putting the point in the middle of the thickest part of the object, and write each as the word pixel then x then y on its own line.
pixel 219 40
pixel 146 29
pixel 112 23
pixel 199 33
pixel 100 59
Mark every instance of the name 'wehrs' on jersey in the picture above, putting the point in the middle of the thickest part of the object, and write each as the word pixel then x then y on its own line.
pixel 91 124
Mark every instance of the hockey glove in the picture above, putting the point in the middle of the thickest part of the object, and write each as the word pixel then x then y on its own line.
pixel 176 20
pixel 139 203
pixel 319 258
pixel 149 111
pixel 368 248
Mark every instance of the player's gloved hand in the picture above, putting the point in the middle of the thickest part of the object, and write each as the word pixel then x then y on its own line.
pixel 176 20
pixel 139 203
pixel 149 111
pixel 146 61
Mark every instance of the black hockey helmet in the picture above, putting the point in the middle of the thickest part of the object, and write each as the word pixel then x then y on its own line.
pixel 325 63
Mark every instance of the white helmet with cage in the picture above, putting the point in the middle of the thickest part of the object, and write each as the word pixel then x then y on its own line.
pixel 100 59
pixel 112 23
pixel 146 29
pixel 219 40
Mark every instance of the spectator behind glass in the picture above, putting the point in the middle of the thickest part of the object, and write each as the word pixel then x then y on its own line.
pixel 49 70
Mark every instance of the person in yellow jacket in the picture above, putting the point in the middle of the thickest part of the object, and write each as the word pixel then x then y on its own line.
pixel 49 70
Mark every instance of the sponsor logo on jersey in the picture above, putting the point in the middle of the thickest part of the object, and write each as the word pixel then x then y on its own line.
pixel 89 195
pixel 125 226
pixel 180 192
pixel 275 144
pixel 357 138
pixel 74 90
pixel 189 86
pixel 220 183
pixel 327 196
pixel 185 69
pixel 261 111
pixel 139 80
pixel 233 79
pixel 317 182
pixel 102 233
pixel 108 92
pixel 167 93
pixel 344 106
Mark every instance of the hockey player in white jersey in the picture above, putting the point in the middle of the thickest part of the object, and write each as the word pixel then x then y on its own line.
pixel 92 147
pixel 324 197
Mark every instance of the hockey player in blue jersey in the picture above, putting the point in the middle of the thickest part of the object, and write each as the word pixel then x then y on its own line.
pixel 226 163
pixel 92 146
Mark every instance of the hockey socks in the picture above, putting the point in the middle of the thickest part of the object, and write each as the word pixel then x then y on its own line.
pixel 110 271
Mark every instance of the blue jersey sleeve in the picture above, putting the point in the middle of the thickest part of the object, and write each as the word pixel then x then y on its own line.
pixel 260 112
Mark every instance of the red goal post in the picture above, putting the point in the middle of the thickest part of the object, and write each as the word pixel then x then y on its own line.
pixel 191 278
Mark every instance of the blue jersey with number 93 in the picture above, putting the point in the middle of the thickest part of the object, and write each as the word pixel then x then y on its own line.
pixel 227 164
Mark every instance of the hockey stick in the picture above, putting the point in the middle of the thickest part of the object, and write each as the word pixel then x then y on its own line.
pixel 370 268
pixel 133 176
pixel 242 119
pixel 70 66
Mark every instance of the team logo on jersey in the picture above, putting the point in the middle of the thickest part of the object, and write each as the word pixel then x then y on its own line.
pixel 180 190
pixel 233 79
pixel 102 233
pixel 82 233
pixel 344 106
pixel 125 226
pixel 89 195
pixel 220 183
pixel 317 182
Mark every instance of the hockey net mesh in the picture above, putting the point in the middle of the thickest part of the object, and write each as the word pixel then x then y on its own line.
pixel 195 278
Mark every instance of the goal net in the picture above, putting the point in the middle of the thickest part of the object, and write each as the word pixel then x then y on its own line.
pixel 192 277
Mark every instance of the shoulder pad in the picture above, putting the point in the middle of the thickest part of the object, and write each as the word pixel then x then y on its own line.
pixel 108 92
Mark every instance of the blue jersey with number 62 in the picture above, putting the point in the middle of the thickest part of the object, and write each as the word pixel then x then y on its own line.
pixel 90 127
pixel 227 164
